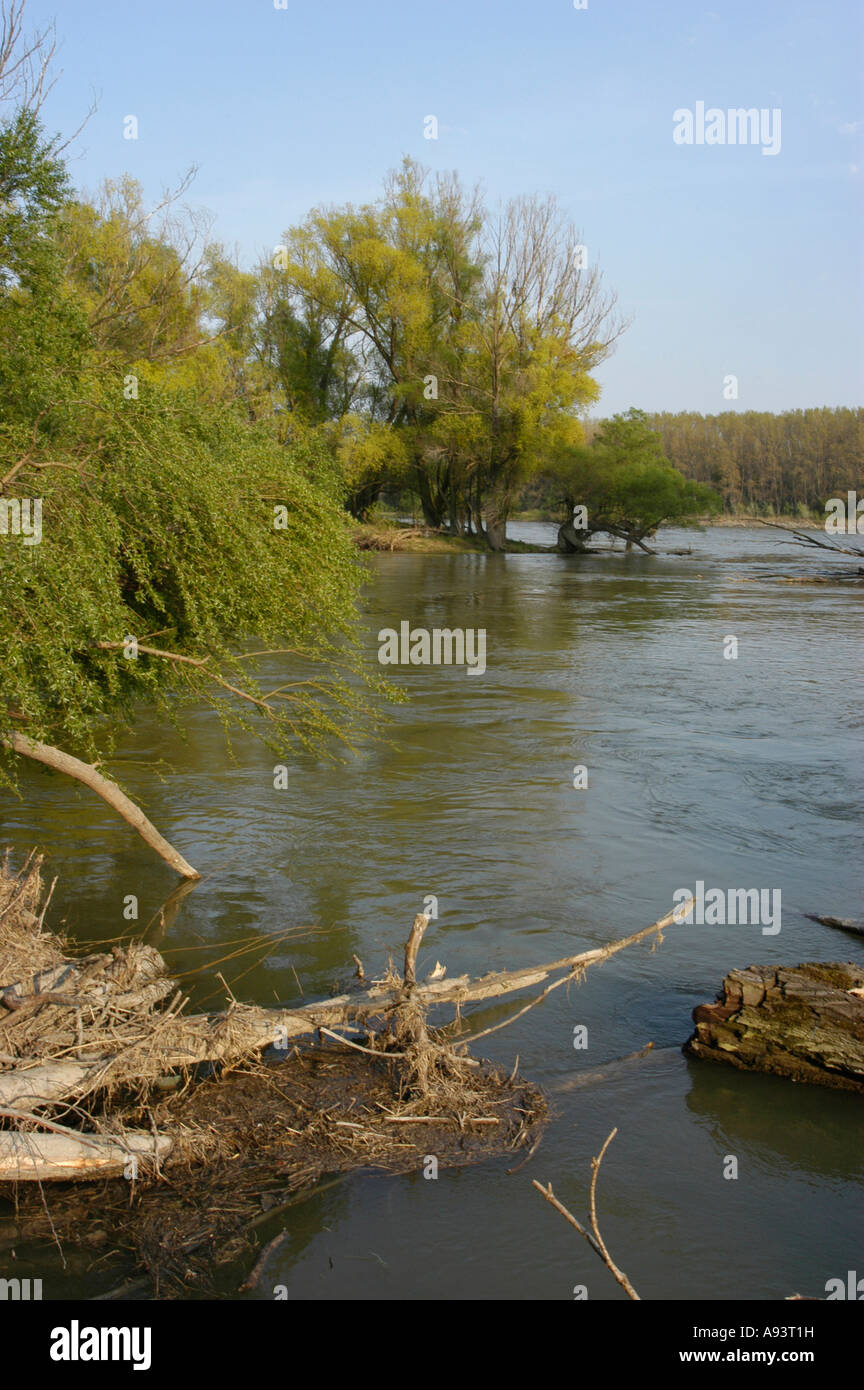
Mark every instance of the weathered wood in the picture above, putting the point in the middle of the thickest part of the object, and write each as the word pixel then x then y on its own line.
pixel 244 1029
pixel 805 1022
pixel 96 975
pixel 109 791
pixel 412 946
pixel 843 923
pixel 35 1157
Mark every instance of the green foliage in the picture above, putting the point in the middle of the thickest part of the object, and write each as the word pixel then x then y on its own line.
pixel 166 516
pixel 167 534
pixel 625 482
pixel 470 338
pixel 43 331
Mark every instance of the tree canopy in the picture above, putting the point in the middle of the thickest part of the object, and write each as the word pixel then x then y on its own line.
pixel 182 439
pixel 622 484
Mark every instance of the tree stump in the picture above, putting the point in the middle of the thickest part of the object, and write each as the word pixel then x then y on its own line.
pixel 801 1021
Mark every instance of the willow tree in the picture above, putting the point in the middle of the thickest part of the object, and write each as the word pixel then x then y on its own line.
pixel 474 336
pixel 622 484
pixel 372 298
pixel 150 541
pixel 531 334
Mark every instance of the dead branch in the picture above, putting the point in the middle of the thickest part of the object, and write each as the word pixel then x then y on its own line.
pixel 412 946
pixel 596 1241
pixel 804 538
pixel 26 1156
pixel 109 791
pixel 241 1030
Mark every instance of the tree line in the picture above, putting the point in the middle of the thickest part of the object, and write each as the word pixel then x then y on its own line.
pixel 773 464
pixel 755 463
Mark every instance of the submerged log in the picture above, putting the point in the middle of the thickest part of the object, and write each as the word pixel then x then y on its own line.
pixel 843 923
pixel 805 1022
pixel 109 791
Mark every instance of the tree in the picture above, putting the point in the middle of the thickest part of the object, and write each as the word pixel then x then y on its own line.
pixel 176 537
pixel 541 324
pixel 625 484
pixel 138 272
pixel 472 338
pixel 43 331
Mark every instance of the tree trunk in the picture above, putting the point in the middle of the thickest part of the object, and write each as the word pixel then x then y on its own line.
pixel 187 1040
pixel 109 791
pixel 571 541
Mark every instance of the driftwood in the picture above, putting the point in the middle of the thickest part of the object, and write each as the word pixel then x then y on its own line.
pixel 805 538
pixel 805 1022
pixel 593 1237
pixel 843 923
pixel 109 791
pixel 94 1038
pixel 27 1156
pixel 184 1041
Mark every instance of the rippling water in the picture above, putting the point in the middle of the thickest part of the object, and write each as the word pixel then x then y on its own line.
pixel 740 773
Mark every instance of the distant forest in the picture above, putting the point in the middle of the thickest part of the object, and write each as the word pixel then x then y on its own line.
pixel 757 462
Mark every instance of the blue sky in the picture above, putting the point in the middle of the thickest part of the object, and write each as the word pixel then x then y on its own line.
pixel 727 261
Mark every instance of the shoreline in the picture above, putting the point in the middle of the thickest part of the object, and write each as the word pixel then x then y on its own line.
pixel 420 540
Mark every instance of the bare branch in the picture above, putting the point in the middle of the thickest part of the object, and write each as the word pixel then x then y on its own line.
pixel 596 1241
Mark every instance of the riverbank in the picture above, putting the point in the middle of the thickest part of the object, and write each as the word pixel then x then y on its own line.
pixel 242 1110
pixel 698 767
pixel 422 540
pixel 418 540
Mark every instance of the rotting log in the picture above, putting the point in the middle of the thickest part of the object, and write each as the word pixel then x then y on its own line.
pixel 139 967
pixel 805 1022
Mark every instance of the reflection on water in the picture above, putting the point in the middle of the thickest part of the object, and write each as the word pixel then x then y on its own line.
pixel 740 773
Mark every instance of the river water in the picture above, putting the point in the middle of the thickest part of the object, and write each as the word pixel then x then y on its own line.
pixel 737 772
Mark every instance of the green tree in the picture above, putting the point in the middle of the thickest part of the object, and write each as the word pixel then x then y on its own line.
pixel 176 538
pixel 624 485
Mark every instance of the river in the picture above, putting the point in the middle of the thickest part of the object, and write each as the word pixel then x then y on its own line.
pixel 737 772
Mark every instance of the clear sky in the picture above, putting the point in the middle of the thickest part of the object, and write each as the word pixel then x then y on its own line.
pixel 727 260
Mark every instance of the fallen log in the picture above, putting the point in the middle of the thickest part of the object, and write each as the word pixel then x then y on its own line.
pixel 28 1156
pixel 843 923
pixel 109 791
pixel 185 1041
pixel 805 1022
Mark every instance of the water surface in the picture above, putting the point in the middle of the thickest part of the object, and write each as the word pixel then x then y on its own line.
pixel 741 773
